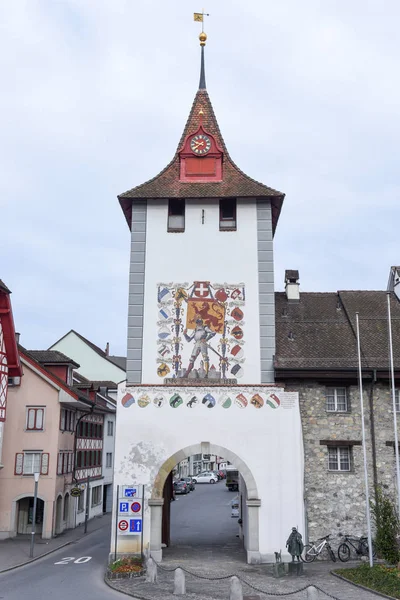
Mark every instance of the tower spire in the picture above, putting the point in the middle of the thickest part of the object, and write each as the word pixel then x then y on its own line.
pixel 202 83
pixel 199 17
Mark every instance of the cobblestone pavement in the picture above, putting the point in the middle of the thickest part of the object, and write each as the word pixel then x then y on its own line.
pixel 256 576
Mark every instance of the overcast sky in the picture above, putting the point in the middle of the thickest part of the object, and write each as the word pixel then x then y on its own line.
pixel 95 95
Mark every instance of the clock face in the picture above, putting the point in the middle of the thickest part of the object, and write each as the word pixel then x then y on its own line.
pixel 200 144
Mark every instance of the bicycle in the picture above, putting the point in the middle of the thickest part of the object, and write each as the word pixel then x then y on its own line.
pixel 361 549
pixel 311 551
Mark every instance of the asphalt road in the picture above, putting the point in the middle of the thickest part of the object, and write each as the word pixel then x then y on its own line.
pixel 44 579
pixel 200 519
pixel 203 517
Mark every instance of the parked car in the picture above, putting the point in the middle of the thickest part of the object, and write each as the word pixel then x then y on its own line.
pixel 205 478
pixel 190 482
pixel 222 474
pixel 181 487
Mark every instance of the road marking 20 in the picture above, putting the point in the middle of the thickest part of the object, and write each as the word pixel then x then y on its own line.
pixel 77 561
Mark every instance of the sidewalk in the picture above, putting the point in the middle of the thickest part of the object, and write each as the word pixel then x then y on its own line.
pixel 14 552
pixel 211 581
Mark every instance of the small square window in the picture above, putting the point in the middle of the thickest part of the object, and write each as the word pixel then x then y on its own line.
pixel 397 400
pixel 336 400
pixel 108 460
pixel 32 462
pixel 227 214
pixel 34 418
pixel 110 428
pixel 339 458
pixel 176 215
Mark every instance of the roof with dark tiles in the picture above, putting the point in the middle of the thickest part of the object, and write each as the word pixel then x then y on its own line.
pixel 319 331
pixel 52 357
pixel 234 182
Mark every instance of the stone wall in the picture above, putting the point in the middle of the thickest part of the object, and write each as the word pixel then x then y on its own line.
pixel 335 501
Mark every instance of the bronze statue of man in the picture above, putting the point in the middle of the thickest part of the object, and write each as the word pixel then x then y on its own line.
pixel 295 544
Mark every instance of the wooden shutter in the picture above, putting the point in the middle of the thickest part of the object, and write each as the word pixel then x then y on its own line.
pixel 44 467
pixel 19 463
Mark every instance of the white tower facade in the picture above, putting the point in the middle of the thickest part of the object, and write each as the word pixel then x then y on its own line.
pixel 201 342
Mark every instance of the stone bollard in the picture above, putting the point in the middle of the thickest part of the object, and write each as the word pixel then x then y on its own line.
pixel 151 574
pixel 179 582
pixel 236 591
pixel 312 593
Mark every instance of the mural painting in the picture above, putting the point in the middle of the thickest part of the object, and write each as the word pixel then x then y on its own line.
pixel 201 331
pixel 247 397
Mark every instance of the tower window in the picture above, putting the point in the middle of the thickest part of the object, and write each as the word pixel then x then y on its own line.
pixel 176 215
pixel 227 214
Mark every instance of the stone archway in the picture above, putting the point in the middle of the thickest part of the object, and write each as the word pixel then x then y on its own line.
pixel 253 501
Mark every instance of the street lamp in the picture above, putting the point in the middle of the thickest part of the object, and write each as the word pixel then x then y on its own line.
pixel 36 476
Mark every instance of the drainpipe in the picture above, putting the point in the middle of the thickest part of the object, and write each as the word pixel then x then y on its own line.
pixel 372 427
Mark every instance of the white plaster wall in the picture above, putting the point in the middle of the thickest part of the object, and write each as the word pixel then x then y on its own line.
pixel 92 365
pixel 94 511
pixel 268 440
pixel 202 253
pixel 108 446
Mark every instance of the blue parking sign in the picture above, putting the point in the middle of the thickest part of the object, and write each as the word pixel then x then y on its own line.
pixel 124 507
pixel 135 525
pixel 130 492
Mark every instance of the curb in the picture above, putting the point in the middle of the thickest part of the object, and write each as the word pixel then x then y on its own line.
pixel 362 587
pixel 27 562
pixel 37 557
pixel 108 582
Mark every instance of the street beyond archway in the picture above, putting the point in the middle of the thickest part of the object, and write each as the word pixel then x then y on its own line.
pixel 201 522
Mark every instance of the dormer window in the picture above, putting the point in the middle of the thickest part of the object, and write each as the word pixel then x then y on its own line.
pixel 176 215
pixel 227 214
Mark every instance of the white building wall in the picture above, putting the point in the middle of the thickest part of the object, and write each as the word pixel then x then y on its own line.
pixel 108 447
pixel 268 440
pixel 92 365
pixel 201 253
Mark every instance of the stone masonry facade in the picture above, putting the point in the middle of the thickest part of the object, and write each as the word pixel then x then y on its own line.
pixel 335 500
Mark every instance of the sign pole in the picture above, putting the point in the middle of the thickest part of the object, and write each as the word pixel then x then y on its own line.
pixel 141 540
pixel 371 561
pixel 87 503
pixel 116 525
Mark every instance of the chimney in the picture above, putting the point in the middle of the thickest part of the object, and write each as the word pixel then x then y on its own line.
pixel 292 285
pixel 17 337
pixel 107 350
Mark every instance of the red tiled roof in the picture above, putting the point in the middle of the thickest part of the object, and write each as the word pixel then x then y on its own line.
pixel 235 183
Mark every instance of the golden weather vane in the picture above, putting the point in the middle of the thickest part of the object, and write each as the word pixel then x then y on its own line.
pixel 199 17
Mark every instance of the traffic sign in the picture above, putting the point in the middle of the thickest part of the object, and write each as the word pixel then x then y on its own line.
pixel 124 507
pixel 123 525
pixel 132 491
pixel 136 507
pixel 135 526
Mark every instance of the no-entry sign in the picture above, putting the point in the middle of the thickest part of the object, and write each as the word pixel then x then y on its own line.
pixel 123 525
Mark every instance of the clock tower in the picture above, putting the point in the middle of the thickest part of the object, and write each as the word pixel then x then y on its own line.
pixel 201 339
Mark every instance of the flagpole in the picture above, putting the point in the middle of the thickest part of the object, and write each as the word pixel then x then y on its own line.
pixel 363 443
pixel 396 437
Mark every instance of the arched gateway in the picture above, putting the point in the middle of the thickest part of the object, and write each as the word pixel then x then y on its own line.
pixel 201 343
